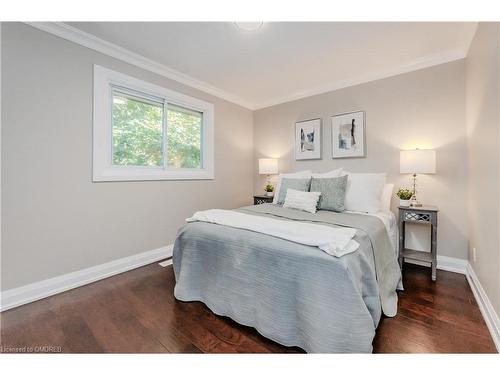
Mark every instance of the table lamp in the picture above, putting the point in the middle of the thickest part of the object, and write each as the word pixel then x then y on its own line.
pixel 268 167
pixel 417 162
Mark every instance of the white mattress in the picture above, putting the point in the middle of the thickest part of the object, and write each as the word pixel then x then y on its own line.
pixel 389 220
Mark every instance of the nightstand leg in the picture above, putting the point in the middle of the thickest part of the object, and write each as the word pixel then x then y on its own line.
pixel 434 251
pixel 401 243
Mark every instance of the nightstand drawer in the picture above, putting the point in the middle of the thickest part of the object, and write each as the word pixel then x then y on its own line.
pixel 261 199
pixel 417 216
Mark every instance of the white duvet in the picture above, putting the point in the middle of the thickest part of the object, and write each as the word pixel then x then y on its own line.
pixel 333 241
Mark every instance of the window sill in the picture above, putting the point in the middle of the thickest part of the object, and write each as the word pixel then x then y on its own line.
pixel 151 174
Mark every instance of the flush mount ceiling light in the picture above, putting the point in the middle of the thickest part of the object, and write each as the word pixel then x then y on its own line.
pixel 249 26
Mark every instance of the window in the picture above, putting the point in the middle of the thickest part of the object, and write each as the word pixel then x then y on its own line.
pixel 146 132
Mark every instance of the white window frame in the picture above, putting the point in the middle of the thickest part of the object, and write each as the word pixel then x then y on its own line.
pixel 103 168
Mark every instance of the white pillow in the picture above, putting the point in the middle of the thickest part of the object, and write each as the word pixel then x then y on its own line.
pixel 387 197
pixel 302 200
pixel 335 173
pixel 301 174
pixel 364 192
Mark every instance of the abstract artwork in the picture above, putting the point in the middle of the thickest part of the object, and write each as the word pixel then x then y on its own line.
pixel 308 140
pixel 348 135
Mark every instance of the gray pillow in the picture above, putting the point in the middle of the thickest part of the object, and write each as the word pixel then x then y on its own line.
pixel 301 184
pixel 332 192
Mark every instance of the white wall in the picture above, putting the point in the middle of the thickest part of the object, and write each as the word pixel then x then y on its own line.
pixel 54 219
pixel 422 109
pixel 483 129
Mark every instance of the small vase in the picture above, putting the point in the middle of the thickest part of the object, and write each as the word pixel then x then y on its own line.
pixel 269 193
pixel 404 202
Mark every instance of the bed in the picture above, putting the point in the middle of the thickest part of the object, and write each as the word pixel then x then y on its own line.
pixel 294 294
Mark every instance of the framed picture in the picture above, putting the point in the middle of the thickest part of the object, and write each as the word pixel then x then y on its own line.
pixel 348 135
pixel 308 139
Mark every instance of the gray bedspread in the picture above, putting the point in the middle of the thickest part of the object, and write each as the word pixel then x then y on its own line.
pixel 294 294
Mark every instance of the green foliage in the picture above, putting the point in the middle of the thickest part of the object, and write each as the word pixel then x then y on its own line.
pixel 269 188
pixel 138 135
pixel 404 194
pixel 184 139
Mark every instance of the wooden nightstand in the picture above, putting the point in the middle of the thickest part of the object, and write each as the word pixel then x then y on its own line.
pixel 260 199
pixel 420 215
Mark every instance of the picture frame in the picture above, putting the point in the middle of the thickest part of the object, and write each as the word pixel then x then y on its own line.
pixel 348 135
pixel 308 139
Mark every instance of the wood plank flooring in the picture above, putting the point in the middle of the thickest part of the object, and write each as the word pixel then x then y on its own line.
pixel 136 312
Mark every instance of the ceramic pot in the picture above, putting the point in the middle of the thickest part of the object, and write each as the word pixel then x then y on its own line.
pixel 404 202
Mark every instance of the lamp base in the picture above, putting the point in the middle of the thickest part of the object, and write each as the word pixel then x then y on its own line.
pixel 414 202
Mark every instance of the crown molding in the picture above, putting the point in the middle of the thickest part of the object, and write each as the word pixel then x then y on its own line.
pixel 466 35
pixel 82 38
pixel 425 62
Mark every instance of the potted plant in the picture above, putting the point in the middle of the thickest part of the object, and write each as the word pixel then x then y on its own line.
pixel 269 190
pixel 404 197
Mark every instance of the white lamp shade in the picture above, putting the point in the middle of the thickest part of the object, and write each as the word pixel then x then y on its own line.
pixel 417 161
pixel 268 166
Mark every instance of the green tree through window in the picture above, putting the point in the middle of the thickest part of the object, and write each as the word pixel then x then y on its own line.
pixel 138 134
pixel 183 138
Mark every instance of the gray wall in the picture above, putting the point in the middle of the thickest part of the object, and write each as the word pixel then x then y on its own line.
pixel 54 219
pixel 422 109
pixel 483 128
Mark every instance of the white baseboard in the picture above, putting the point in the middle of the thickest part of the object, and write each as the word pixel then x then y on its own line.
pixel 28 293
pixel 489 314
pixel 166 263
pixel 445 263
pixel 452 264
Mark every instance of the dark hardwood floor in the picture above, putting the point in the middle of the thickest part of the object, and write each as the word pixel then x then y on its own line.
pixel 136 312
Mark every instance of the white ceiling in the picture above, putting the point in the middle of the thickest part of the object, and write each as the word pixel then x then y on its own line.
pixel 285 61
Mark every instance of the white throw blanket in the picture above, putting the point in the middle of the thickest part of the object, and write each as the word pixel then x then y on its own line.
pixel 333 241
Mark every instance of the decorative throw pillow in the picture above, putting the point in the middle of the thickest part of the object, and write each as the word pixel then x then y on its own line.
pixel 335 173
pixel 301 174
pixel 302 200
pixel 387 197
pixel 301 184
pixel 364 192
pixel 332 192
